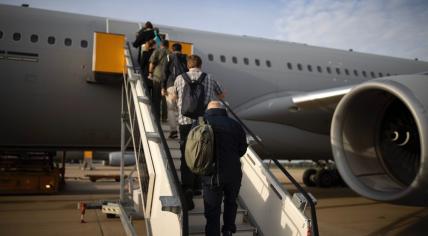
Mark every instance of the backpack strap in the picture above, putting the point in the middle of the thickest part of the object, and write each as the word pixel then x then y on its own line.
pixel 202 77
pixel 186 78
pixel 201 120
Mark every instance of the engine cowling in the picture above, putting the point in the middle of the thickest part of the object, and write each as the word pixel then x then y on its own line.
pixel 379 138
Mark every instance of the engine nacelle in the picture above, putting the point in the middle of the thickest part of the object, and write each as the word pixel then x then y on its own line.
pixel 379 138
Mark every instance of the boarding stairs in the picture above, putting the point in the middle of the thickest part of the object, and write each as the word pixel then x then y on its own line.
pixel 153 189
pixel 196 216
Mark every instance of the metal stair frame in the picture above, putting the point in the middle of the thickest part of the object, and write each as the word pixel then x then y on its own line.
pixel 155 193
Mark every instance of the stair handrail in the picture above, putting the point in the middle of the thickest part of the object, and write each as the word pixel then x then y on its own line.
pixel 314 223
pixel 177 184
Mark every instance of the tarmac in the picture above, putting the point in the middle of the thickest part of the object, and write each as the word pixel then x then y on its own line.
pixel 340 211
pixel 58 214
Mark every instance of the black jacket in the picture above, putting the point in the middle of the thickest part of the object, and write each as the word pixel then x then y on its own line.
pixel 230 144
pixel 145 61
pixel 177 65
pixel 143 36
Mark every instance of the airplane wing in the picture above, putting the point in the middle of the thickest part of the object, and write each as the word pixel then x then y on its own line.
pixel 311 111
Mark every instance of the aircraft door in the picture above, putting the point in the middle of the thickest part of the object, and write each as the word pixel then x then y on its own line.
pixel 186 48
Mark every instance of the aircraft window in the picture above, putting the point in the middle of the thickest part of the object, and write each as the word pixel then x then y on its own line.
pixel 67 42
pixel 222 58
pixel 51 40
pixel 380 74
pixel 34 38
pixel 388 74
pixel 1 34
pixel 355 72
pixel 84 44
pixel 268 64
pixel 373 74
pixel 328 70
pixel 210 57
pixel 310 68
pixel 346 71
pixel 299 66
pixel 257 61
pixel 246 61
pixel 289 65
pixel 234 60
pixel 338 71
pixel 364 73
pixel 319 69
pixel 16 36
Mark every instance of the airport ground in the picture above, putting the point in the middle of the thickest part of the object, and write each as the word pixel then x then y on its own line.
pixel 339 210
pixel 58 214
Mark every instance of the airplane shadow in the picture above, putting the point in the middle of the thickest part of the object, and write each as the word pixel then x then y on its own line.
pixel 78 187
pixel 415 224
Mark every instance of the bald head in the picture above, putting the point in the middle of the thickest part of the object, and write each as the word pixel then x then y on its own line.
pixel 214 104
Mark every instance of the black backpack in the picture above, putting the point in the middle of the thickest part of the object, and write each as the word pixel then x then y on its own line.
pixel 178 64
pixel 193 99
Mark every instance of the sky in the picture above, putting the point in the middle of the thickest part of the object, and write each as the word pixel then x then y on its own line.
pixel 396 28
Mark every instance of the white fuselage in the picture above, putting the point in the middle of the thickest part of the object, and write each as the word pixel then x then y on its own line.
pixel 47 103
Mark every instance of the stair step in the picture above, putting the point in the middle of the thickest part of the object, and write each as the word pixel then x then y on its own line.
pixel 177 163
pixel 241 230
pixel 198 201
pixel 165 126
pixel 172 143
pixel 175 153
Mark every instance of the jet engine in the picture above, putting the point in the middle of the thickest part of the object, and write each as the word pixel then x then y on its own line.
pixel 379 138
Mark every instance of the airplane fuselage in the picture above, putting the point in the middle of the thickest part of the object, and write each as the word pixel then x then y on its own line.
pixel 47 103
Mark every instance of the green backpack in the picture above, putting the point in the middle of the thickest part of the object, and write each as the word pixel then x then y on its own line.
pixel 199 150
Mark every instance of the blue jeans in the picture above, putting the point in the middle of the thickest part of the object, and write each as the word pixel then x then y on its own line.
pixel 213 197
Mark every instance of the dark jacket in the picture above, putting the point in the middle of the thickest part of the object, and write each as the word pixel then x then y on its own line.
pixel 143 36
pixel 145 61
pixel 144 64
pixel 230 144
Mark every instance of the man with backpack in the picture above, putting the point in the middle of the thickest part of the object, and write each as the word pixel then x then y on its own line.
pixel 230 145
pixel 177 65
pixel 193 91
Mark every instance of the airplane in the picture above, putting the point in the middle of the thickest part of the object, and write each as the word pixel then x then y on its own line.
pixel 366 112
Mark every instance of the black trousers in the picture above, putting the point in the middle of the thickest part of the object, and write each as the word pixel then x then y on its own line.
pixel 164 109
pixel 156 98
pixel 188 179
pixel 213 197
